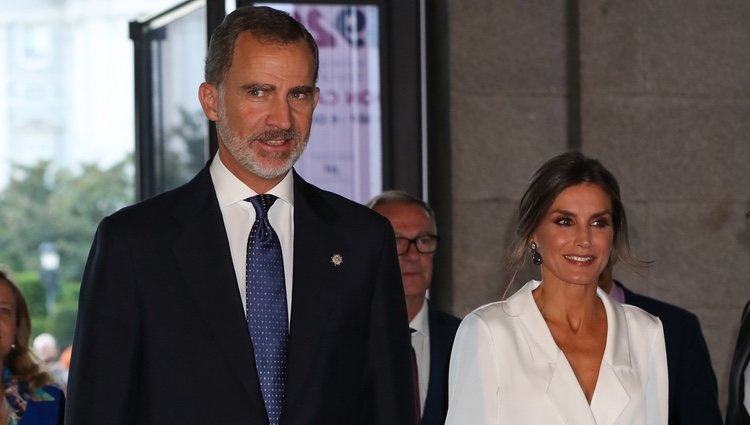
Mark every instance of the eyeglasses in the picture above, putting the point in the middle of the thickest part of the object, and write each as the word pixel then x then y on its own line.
pixel 426 244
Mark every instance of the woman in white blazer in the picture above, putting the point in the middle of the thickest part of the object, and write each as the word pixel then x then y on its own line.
pixel 559 351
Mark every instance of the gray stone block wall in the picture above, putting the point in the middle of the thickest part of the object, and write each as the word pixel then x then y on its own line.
pixel 665 104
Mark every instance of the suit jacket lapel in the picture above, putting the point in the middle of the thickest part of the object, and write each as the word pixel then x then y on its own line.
pixel 566 395
pixel 563 390
pixel 205 267
pixel 316 279
pixel 615 381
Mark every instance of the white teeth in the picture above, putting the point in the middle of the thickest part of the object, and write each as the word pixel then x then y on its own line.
pixel 274 142
pixel 576 258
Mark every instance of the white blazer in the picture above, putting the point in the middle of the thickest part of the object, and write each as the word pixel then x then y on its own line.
pixel 506 369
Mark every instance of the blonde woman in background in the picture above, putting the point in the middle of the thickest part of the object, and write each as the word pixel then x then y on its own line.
pixel 30 398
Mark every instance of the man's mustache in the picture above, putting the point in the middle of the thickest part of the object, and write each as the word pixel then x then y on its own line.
pixel 276 135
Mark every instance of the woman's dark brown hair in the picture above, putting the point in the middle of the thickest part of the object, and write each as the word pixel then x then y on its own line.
pixel 556 175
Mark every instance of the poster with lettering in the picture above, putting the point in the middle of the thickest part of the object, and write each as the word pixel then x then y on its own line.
pixel 343 154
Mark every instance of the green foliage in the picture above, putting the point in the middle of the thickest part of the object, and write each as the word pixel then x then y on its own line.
pixel 42 204
pixel 68 294
pixel 33 291
pixel 185 146
pixel 45 204
pixel 63 325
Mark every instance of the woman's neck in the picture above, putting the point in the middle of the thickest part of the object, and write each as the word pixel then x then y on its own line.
pixel 567 303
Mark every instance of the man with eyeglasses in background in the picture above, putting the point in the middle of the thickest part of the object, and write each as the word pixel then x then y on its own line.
pixel 433 331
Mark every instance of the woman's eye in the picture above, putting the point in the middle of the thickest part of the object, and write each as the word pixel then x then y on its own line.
pixel 564 221
pixel 602 222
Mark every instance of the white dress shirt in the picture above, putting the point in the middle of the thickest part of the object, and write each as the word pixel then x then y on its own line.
pixel 506 369
pixel 239 216
pixel 420 340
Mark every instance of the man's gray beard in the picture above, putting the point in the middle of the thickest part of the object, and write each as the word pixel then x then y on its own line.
pixel 240 150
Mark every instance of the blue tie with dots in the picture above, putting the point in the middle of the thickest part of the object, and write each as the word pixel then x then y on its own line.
pixel 266 307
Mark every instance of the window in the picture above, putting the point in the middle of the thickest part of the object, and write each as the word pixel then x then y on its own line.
pixel 344 151
pixel 66 141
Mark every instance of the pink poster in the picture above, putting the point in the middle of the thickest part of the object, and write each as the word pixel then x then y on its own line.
pixel 344 151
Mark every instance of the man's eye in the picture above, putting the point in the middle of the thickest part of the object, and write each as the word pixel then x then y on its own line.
pixel 298 96
pixel 255 92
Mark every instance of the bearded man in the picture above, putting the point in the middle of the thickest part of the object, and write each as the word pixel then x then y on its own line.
pixel 246 296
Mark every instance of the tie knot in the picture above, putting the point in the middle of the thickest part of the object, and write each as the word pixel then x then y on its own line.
pixel 262 203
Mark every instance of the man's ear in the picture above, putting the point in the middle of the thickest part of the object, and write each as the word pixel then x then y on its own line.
pixel 316 96
pixel 208 95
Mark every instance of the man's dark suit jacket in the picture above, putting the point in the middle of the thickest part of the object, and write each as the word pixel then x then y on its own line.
pixel 443 329
pixel 162 339
pixel 736 412
pixel 693 392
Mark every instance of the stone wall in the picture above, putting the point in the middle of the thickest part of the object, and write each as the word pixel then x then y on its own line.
pixel 665 105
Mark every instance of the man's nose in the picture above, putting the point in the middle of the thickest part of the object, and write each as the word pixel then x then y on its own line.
pixel 280 114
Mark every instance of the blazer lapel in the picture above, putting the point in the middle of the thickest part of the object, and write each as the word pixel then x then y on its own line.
pixel 563 390
pixel 616 376
pixel 316 279
pixel 205 267
pixel 616 379
pixel 566 395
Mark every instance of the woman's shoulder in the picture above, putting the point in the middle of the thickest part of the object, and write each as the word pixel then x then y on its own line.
pixel 637 319
pixel 54 391
pixel 504 311
pixel 47 393
pixel 44 406
pixel 631 313
pixel 639 315
pixel 486 312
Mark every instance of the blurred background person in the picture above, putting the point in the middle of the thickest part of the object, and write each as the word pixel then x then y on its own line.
pixel 65 363
pixel 433 331
pixel 693 392
pixel 738 409
pixel 559 350
pixel 30 396
pixel 47 351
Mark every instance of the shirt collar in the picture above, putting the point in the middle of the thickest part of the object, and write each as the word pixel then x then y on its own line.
pixel 419 322
pixel 231 190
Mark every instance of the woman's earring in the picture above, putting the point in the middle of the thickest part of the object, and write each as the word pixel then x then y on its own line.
pixel 12 346
pixel 536 257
